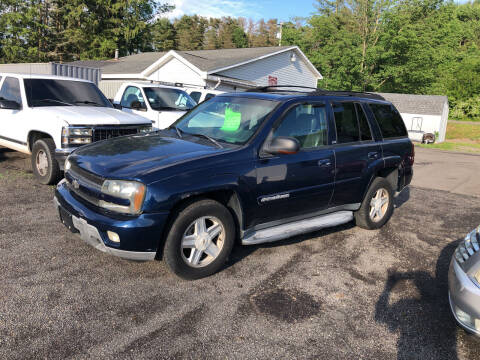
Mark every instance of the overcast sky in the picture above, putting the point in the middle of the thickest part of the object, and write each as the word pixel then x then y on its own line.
pixel 256 9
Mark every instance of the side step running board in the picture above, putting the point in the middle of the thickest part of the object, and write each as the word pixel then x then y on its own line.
pixel 297 227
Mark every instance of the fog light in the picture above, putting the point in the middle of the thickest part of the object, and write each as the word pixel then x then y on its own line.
pixel 467 320
pixel 113 236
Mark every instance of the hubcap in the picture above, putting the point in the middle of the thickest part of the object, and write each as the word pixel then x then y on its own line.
pixel 203 241
pixel 42 163
pixel 379 205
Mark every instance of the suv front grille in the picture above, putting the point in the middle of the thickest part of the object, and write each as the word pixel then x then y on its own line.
pixel 84 184
pixel 104 133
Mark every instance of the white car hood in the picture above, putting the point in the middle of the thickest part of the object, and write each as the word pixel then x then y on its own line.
pixel 167 118
pixel 89 115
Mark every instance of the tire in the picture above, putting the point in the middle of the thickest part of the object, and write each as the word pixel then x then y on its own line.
pixel 189 249
pixel 363 216
pixel 44 166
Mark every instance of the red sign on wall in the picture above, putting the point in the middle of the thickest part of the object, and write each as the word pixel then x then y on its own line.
pixel 272 81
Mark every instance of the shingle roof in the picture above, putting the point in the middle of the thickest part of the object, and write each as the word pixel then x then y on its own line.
pixel 133 64
pixel 417 104
pixel 205 60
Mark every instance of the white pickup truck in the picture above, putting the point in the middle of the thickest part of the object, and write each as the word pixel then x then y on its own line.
pixel 50 116
pixel 161 104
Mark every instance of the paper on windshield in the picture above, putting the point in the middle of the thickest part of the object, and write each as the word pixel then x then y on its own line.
pixel 232 120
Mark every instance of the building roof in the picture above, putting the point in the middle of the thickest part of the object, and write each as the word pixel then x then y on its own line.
pixel 132 64
pixel 417 104
pixel 204 60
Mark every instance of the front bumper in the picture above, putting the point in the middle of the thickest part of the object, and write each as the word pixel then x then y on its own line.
pixel 464 297
pixel 139 236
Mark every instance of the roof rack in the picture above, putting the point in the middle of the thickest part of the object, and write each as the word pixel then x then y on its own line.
pixel 315 91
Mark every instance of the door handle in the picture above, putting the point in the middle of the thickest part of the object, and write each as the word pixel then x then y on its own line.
pixel 324 163
pixel 373 155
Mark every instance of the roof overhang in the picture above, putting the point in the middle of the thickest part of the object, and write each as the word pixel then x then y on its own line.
pixel 294 48
pixel 230 81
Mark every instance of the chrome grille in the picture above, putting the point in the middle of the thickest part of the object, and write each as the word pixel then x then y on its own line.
pixel 84 184
pixel 104 133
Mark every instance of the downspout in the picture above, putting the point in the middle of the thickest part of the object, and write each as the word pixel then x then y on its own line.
pixel 218 84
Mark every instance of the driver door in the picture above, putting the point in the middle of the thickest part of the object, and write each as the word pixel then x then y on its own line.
pixel 302 183
pixel 131 94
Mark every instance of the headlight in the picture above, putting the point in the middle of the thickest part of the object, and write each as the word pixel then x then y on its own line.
pixel 468 247
pixel 76 136
pixel 132 191
pixel 67 165
pixel 145 129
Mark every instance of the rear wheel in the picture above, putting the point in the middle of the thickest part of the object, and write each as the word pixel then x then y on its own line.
pixel 44 166
pixel 377 206
pixel 200 240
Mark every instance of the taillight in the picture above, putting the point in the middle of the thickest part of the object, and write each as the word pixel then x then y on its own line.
pixel 411 158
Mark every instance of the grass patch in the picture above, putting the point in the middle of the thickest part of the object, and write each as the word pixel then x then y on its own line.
pixel 463 131
pixel 469 147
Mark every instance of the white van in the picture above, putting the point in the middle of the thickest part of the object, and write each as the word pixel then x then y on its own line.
pixel 50 116
pixel 161 104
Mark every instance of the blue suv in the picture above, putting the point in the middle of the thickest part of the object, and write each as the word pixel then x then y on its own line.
pixel 256 167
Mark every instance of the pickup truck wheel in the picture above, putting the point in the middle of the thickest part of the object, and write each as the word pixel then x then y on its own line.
pixel 44 166
pixel 200 240
pixel 377 207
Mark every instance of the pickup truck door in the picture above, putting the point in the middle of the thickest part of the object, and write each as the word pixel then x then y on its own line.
pixel 12 127
pixel 131 94
pixel 357 153
pixel 302 183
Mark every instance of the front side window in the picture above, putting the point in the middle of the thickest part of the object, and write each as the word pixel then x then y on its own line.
pixel 232 120
pixel 168 99
pixel 49 92
pixel 390 121
pixel 346 122
pixel 307 124
pixel 130 95
pixel 11 90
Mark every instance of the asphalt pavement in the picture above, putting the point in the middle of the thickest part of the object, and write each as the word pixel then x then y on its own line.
pixel 341 293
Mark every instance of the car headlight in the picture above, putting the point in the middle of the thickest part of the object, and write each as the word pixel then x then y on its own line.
pixel 67 165
pixel 76 136
pixel 145 129
pixel 468 247
pixel 132 191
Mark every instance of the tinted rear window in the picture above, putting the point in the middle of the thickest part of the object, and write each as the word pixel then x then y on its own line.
pixel 195 95
pixel 389 120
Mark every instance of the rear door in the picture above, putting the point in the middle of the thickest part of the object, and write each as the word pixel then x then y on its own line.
pixel 301 183
pixel 12 126
pixel 357 152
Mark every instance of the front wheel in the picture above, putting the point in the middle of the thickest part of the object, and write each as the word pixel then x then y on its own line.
pixel 377 206
pixel 44 166
pixel 200 240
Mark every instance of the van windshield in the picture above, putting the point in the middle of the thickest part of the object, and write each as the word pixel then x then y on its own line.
pixel 229 119
pixel 51 92
pixel 168 99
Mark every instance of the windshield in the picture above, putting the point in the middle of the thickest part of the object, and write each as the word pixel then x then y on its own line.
pixel 49 92
pixel 229 119
pixel 169 99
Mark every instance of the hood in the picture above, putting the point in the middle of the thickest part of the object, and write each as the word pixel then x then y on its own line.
pixel 137 155
pixel 89 115
pixel 167 118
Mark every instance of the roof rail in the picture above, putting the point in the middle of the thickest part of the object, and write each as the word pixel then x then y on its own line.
pixel 315 91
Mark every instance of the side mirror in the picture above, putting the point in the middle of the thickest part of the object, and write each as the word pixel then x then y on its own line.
pixel 117 106
pixel 9 105
pixel 283 145
pixel 137 105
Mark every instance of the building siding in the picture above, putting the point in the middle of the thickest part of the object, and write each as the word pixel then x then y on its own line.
pixel 68 70
pixel 174 71
pixel 279 66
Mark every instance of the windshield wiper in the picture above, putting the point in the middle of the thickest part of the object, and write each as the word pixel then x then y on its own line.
pixel 166 108
pixel 208 138
pixel 88 102
pixel 179 132
pixel 54 101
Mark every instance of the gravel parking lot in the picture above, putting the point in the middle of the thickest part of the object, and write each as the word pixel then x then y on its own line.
pixel 342 293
